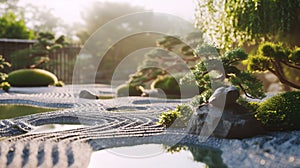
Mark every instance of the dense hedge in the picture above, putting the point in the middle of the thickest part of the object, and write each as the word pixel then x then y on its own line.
pixel 281 112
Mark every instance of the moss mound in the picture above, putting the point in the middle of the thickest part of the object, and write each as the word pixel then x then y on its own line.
pixel 128 90
pixel 171 87
pixel 168 84
pixel 31 78
pixel 281 112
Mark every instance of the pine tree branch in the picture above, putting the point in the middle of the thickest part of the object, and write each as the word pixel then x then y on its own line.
pixel 291 65
pixel 280 74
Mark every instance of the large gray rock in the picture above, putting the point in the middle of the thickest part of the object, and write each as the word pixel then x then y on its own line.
pixel 223 117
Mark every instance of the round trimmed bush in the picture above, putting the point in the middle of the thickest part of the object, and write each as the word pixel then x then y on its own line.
pixel 31 78
pixel 128 90
pixel 168 84
pixel 281 112
pixel 171 87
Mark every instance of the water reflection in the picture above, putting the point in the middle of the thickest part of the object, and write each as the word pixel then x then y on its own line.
pixel 210 156
pixel 171 156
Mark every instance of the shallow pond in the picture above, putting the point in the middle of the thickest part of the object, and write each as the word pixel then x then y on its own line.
pixel 12 110
pixel 157 155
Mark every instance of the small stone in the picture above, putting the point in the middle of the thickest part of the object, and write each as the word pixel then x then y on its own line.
pixel 87 95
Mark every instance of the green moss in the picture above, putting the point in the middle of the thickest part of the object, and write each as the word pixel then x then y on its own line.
pixel 31 78
pixel 128 90
pixel 281 112
pixel 177 118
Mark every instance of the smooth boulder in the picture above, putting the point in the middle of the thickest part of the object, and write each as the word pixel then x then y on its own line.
pixel 223 117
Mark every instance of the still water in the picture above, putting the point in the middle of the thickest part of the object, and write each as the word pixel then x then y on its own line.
pixel 157 155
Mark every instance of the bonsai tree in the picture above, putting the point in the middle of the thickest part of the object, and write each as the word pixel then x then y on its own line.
pixel 222 69
pixel 39 54
pixel 172 56
pixel 282 61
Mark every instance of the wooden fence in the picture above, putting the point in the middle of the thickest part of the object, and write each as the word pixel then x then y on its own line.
pixel 61 63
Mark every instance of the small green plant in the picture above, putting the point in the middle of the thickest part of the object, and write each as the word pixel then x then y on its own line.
pixel 3 84
pixel 281 112
pixel 59 84
pixel 174 149
pixel 177 118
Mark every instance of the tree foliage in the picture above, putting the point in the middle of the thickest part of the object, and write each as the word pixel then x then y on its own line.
pixel 3 64
pixel 14 27
pixel 177 118
pixel 39 54
pixel 232 22
pixel 282 61
pixel 171 58
pixel 220 69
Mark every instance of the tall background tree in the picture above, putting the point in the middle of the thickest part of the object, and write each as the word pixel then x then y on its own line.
pixel 249 24
pixel 14 27
pixel 238 22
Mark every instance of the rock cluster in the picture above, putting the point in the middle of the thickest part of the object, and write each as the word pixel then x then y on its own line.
pixel 223 117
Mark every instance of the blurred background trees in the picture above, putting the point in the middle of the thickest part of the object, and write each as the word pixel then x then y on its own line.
pixel 249 24
pixel 13 26
pixel 225 23
pixel 236 22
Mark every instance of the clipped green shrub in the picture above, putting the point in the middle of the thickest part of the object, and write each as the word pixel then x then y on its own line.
pixel 128 90
pixel 5 86
pixel 31 78
pixel 168 84
pixel 281 112
pixel 177 118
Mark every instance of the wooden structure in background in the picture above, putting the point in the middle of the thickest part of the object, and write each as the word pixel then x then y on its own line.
pixel 61 63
